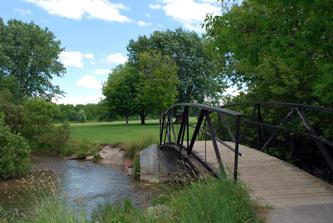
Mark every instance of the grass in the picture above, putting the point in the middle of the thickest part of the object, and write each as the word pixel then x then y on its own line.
pixel 114 132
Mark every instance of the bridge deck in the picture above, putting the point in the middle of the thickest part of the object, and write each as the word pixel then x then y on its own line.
pixel 270 180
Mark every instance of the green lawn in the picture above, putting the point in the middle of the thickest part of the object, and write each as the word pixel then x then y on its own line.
pixel 114 132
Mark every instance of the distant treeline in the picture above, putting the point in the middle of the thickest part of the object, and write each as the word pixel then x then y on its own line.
pixel 82 113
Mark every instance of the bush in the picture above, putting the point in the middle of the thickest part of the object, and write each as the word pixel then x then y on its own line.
pixel 54 140
pixel 14 153
pixel 38 127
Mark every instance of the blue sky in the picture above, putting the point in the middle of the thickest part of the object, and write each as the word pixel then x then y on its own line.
pixel 95 33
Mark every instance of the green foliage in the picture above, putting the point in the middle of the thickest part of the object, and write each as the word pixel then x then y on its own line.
pixel 133 147
pixel 81 116
pixel 29 56
pixel 38 127
pixel 120 90
pixel 157 82
pixel 121 213
pixel 80 148
pixel 281 50
pixel 12 110
pixel 69 112
pixel 143 89
pixel 14 153
pixel 214 201
pixel 197 74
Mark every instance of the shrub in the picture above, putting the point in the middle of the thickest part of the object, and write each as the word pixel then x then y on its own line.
pixel 54 140
pixel 14 152
pixel 38 127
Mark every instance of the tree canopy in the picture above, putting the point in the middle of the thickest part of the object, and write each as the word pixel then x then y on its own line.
pixel 157 83
pixel 197 73
pixel 120 90
pixel 281 50
pixel 149 87
pixel 29 58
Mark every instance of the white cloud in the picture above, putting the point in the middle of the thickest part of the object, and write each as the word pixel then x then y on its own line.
pixel 155 6
pixel 89 81
pixel 77 9
pixel 116 58
pixel 102 71
pixel 147 15
pixel 79 99
pixel 22 12
pixel 191 13
pixel 74 58
pixel 142 23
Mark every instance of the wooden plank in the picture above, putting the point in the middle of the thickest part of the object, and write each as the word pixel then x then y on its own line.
pixel 270 180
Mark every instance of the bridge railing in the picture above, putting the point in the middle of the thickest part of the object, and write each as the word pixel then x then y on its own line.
pixel 303 120
pixel 182 124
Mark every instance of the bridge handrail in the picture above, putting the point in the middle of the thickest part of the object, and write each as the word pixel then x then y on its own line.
pixel 169 137
pixel 207 108
pixel 293 108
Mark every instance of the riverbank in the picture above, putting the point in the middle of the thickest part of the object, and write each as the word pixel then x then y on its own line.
pixel 84 185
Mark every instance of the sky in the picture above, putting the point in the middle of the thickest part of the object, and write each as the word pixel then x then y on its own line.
pixel 95 33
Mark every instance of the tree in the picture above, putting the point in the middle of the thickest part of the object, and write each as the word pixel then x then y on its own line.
pixel 280 50
pixel 157 84
pixel 120 90
pixel 81 116
pixel 196 70
pixel 29 55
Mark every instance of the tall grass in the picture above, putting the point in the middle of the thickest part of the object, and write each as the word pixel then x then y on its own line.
pixel 45 203
pixel 132 147
pixel 204 201
pixel 211 201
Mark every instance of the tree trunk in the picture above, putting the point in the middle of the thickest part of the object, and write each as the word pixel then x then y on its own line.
pixel 126 119
pixel 143 119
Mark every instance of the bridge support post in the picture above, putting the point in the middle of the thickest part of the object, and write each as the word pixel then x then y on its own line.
pixel 259 120
pixel 216 148
pixel 237 141
pixel 196 131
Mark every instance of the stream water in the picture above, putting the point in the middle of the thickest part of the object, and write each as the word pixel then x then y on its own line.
pixel 86 183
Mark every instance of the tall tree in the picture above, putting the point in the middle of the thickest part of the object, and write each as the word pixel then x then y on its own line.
pixel 120 91
pixel 157 84
pixel 30 54
pixel 281 50
pixel 198 79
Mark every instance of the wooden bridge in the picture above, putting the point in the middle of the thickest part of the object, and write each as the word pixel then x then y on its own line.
pixel 212 143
